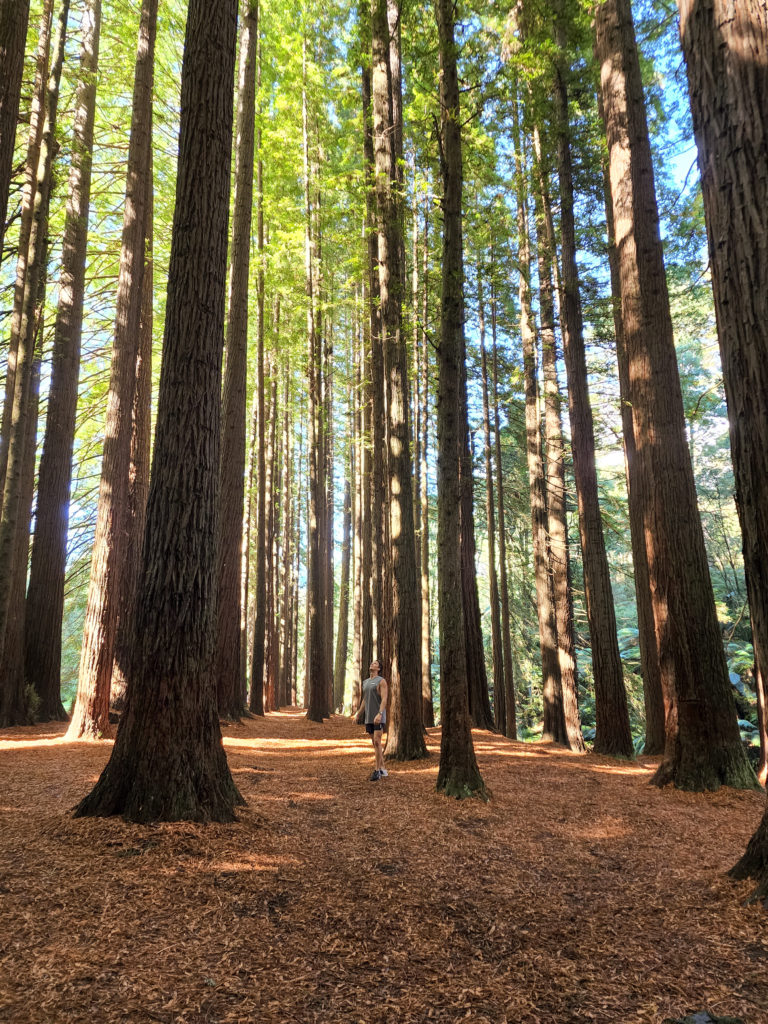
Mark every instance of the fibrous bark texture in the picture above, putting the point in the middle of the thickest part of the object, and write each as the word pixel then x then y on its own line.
pixel 168 762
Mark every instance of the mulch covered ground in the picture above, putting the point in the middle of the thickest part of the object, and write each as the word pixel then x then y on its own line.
pixel 579 893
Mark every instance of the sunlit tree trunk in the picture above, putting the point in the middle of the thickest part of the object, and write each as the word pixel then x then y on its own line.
pixel 458 774
pixel 45 595
pixel 703 745
pixel 90 718
pixel 19 476
pixel 229 668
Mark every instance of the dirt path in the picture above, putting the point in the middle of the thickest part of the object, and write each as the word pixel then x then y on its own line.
pixel 579 893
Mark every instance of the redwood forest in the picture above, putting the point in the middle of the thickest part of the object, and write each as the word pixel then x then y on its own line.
pixel 379 374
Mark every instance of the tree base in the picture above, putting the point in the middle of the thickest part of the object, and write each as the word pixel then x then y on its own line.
pixel 462 786
pixel 699 771
pixel 754 862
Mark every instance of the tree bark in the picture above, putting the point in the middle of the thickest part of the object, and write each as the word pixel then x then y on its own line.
pixel 703 746
pixel 90 718
pixel 229 670
pixel 499 693
pixel 19 477
pixel 45 595
pixel 406 738
pixel 427 706
pixel 168 761
pixel 458 774
pixel 14 18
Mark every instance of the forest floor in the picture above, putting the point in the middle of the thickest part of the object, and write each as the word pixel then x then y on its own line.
pixel 578 893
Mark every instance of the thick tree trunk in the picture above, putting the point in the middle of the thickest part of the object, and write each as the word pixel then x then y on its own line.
pixel 554 467
pixel 90 718
pixel 499 692
pixel 510 726
pixel 612 730
pixel 655 711
pixel 19 477
pixel 14 18
pixel 703 745
pixel 168 762
pixel 406 738
pixel 726 52
pixel 229 669
pixel 284 689
pixel 45 596
pixel 458 774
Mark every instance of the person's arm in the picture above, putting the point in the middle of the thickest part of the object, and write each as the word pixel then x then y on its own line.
pixel 384 694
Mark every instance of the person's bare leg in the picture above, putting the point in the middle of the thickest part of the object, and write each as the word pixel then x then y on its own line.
pixel 378 750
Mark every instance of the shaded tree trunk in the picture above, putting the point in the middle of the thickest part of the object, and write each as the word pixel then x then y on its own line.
pixel 90 718
pixel 612 730
pixel 229 668
pixel 168 761
pixel 458 774
pixel 14 18
pixel 510 725
pixel 703 745
pixel 45 595
pixel 427 707
pixel 406 738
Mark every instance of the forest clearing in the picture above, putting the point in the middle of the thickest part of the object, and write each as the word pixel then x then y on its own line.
pixel 578 893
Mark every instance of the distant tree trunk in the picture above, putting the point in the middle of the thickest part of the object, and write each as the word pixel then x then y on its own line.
pixel 703 745
pixel 427 707
pixel 316 683
pixel 19 477
pixel 14 18
pixel 499 693
pixel 168 761
pixel 510 726
pixel 270 692
pixel 284 687
pixel 655 711
pixel 458 774
pixel 554 717
pixel 256 701
pixel 45 596
pixel 726 52
pixel 342 639
pixel 28 206
pixel 359 579
pixel 90 718
pixel 554 470
pixel 138 474
pixel 612 730
pixel 229 669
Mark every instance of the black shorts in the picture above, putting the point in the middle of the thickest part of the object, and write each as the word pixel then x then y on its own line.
pixel 371 728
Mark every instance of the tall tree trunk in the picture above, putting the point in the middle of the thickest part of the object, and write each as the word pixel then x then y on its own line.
pixel 45 596
pixel 552 696
pixel 168 761
pixel 612 730
pixel 256 701
pixel 229 669
pixel 703 745
pixel 14 18
pixel 499 693
pixel 510 726
pixel 406 737
pixel 655 711
pixel 270 489
pixel 284 687
pixel 342 639
pixel 19 477
pixel 554 469
pixel 458 774
pixel 726 49
pixel 28 208
pixel 427 706
pixel 90 718
pixel 315 682
pixel 138 474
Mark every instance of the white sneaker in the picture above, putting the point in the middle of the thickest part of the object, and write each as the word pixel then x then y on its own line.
pixel 383 773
